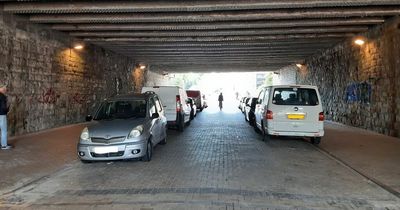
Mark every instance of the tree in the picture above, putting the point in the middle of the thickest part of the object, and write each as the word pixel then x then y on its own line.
pixel 188 80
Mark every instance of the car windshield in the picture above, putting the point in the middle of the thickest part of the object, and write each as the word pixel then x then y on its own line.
pixel 295 96
pixel 121 109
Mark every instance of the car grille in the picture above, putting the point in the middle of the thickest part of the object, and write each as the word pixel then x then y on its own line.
pixel 112 154
pixel 108 141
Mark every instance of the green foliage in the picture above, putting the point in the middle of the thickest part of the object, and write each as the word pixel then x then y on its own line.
pixel 269 79
pixel 186 81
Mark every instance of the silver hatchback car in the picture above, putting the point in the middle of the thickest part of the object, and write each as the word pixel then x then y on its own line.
pixel 124 127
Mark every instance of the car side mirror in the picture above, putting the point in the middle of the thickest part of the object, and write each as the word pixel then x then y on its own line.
pixel 89 118
pixel 155 115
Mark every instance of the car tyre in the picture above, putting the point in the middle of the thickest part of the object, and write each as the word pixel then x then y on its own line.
pixel 265 135
pixel 86 161
pixel 164 141
pixel 315 140
pixel 191 115
pixel 181 125
pixel 256 129
pixel 251 120
pixel 149 152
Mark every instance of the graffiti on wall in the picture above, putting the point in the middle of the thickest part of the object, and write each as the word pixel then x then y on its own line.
pixel 359 92
pixel 48 96
pixel 78 98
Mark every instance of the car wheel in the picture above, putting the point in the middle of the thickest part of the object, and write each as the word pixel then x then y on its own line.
pixel 315 140
pixel 265 135
pixel 191 115
pixel 245 117
pixel 149 152
pixel 164 141
pixel 256 129
pixel 181 125
pixel 251 120
pixel 201 109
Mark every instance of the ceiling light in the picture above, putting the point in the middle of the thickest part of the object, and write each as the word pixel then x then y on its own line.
pixel 359 42
pixel 78 47
pixel 299 65
pixel 142 67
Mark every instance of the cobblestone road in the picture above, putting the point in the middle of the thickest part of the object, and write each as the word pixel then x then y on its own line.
pixel 218 162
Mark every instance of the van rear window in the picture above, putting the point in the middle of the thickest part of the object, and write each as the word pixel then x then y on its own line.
pixel 193 94
pixel 295 96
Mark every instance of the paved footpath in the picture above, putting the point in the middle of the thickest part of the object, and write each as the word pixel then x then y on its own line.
pixel 218 162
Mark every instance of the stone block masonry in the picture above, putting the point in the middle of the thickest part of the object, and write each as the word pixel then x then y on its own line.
pixel 360 85
pixel 50 83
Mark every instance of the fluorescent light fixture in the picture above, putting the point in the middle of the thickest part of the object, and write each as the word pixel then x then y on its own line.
pixel 359 42
pixel 78 47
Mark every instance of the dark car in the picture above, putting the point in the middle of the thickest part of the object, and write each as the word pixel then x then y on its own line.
pixel 250 109
pixel 124 127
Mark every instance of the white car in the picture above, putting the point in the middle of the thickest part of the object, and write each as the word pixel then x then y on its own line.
pixel 193 107
pixel 290 110
pixel 174 100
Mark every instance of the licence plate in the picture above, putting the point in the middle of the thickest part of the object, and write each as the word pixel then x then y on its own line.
pixel 296 116
pixel 104 150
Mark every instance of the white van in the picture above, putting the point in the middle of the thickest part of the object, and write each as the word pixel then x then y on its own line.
pixel 174 100
pixel 290 110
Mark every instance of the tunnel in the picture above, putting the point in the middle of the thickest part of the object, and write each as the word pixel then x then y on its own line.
pixel 61 59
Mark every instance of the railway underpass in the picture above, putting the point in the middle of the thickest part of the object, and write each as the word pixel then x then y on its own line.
pixel 59 59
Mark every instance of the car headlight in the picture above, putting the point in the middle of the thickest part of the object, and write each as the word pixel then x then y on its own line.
pixel 137 131
pixel 85 134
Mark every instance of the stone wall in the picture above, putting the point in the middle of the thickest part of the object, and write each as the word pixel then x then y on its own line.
pixel 51 84
pixel 287 76
pixel 360 85
pixel 156 78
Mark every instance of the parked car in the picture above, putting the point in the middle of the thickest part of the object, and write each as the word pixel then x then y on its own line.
pixel 249 110
pixel 124 127
pixel 174 99
pixel 241 103
pixel 198 98
pixel 245 101
pixel 290 110
pixel 193 111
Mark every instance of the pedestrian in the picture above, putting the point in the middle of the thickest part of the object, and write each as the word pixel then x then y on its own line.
pixel 220 100
pixel 4 108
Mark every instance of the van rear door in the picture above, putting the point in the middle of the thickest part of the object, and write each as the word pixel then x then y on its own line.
pixel 295 109
pixel 168 99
